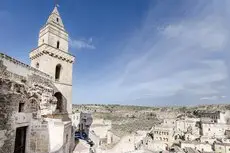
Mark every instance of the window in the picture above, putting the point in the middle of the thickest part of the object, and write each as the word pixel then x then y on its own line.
pixel 37 65
pixel 58 44
pixel 60 105
pixel 67 138
pixel 57 20
pixel 57 72
pixel 21 107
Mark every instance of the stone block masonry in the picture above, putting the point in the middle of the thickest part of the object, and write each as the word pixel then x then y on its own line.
pixel 34 97
pixel 25 102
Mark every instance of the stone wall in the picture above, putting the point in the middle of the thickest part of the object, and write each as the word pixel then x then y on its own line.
pixel 26 99
pixel 18 68
pixel 39 137
pixel 11 94
pixel 9 99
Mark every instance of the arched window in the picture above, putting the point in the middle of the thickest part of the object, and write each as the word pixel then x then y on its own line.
pixel 58 44
pixel 59 107
pixel 57 20
pixel 57 72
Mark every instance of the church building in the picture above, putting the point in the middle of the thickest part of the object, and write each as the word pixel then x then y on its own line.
pixel 52 57
pixel 36 99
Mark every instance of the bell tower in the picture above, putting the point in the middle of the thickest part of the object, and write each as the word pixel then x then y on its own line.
pixel 52 57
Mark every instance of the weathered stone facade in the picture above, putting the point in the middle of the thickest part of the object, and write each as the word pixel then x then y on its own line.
pixel 52 56
pixel 34 105
pixel 36 93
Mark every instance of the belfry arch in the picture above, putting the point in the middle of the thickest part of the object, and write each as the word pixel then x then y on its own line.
pixel 60 103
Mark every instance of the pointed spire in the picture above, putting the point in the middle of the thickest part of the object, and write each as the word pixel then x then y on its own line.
pixel 55 18
pixel 55 10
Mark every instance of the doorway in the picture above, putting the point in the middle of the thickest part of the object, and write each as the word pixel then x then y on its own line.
pixel 20 140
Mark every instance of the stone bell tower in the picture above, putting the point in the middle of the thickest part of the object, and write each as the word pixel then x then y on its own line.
pixel 52 57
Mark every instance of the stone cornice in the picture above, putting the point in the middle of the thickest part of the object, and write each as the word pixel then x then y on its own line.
pixel 50 31
pixel 57 82
pixel 51 51
pixel 47 24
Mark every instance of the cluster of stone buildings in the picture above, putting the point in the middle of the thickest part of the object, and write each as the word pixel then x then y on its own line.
pixel 97 131
pixel 81 122
pixel 202 132
pixel 198 133
pixel 208 132
pixel 36 99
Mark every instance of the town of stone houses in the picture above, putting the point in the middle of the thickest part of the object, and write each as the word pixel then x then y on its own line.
pixel 37 114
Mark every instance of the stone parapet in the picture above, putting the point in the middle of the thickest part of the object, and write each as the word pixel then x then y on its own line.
pixel 63 117
pixel 16 64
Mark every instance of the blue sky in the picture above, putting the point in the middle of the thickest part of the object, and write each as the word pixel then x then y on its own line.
pixel 139 52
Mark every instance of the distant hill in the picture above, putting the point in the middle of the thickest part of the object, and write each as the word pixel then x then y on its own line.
pixel 113 108
pixel 126 119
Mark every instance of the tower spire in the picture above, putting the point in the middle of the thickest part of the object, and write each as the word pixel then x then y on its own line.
pixel 55 17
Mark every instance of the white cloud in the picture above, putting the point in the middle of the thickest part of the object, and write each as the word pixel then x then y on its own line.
pixel 82 43
pixel 209 98
pixel 212 98
pixel 205 33
pixel 183 57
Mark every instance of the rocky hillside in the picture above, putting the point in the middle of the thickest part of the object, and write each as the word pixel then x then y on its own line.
pixel 98 108
pixel 126 119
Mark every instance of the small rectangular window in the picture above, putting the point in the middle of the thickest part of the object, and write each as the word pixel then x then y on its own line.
pixel 67 137
pixel 21 107
pixel 58 44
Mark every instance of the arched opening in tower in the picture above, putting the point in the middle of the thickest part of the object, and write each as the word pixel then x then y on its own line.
pixel 60 104
pixel 57 72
